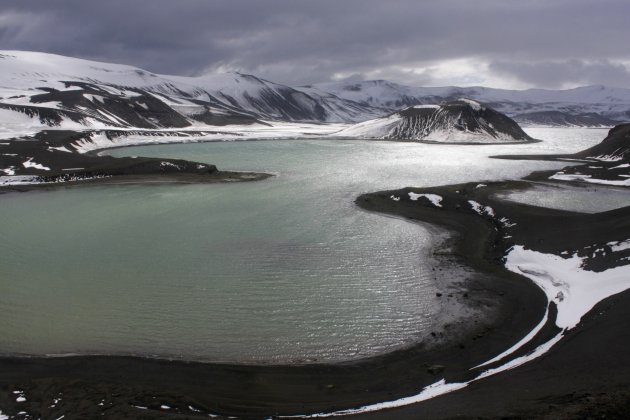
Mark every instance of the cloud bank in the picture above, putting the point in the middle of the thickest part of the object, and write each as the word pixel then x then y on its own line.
pixel 499 43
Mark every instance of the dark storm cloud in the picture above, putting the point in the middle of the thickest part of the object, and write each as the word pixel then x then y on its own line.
pixel 293 41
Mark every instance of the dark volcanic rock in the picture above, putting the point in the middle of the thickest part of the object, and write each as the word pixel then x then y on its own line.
pixel 461 121
pixel 615 146
pixel 464 116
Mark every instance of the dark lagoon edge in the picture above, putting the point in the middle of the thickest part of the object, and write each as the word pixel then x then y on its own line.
pixel 587 370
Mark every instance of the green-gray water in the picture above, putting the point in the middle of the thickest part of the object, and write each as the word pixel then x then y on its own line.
pixel 286 269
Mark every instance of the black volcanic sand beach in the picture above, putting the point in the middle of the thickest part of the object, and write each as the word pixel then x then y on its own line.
pixel 585 374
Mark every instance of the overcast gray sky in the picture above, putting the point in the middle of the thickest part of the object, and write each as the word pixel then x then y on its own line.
pixel 497 43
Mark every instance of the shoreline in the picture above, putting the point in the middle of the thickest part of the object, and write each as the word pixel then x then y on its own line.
pixel 257 391
pixel 124 383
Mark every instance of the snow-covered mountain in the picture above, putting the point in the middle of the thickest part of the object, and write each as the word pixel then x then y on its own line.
pixel 57 90
pixel 608 103
pixel 563 119
pixel 40 90
pixel 461 121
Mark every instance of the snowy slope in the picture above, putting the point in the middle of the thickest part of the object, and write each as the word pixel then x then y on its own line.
pixel 612 103
pixel 55 89
pixel 462 121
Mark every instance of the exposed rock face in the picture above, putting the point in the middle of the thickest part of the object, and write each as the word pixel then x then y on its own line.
pixel 615 147
pixel 461 121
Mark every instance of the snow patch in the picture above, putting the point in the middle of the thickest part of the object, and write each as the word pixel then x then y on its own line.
pixel 473 104
pixel 427 106
pixel 480 209
pixel 60 148
pixel 506 222
pixel 574 290
pixel 30 164
pixel 435 199
pixel 608 158
pixel 617 246
pixel 559 176
pixel 170 164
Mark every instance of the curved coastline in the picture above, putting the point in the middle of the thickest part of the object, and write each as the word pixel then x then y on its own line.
pixel 260 391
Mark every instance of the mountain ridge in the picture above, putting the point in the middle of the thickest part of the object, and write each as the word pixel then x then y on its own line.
pixel 119 96
pixel 609 103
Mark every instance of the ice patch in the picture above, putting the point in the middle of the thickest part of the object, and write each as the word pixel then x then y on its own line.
pixel 435 199
pixel 427 106
pixel 393 197
pixel 480 186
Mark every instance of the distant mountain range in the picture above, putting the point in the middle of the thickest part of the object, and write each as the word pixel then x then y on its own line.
pixel 39 90
pixel 585 106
